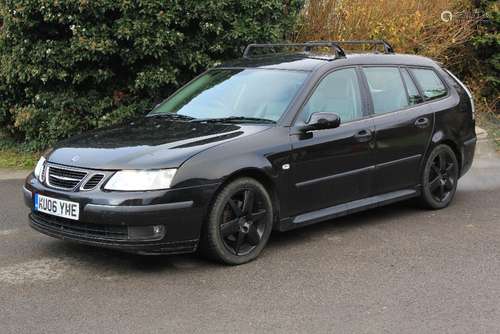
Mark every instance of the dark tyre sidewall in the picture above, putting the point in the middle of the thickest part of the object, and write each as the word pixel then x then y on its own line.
pixel 216 244
pixel 427 198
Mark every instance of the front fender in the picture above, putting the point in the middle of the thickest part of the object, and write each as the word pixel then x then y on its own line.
pixel 267 152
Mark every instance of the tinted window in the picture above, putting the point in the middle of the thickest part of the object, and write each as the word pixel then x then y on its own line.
pixel 413 93
pixel 432 86
pixel 227 92
pixel 386 88
pixel 338 93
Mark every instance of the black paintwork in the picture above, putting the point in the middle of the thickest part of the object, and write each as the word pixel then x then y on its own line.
pixel 146 143
pixel 360 164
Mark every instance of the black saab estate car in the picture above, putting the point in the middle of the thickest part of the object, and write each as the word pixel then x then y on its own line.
pixel 288 136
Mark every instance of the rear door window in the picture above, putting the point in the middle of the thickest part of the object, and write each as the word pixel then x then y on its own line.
pixel 386 88
pixel 432 87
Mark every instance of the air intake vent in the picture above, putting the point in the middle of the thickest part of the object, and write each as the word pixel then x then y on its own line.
pixel 93 182
pixel 79 229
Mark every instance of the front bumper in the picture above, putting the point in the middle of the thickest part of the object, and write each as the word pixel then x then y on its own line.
pixel 107 218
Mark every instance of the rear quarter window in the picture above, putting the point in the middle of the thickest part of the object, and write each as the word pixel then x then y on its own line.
pixel 431 85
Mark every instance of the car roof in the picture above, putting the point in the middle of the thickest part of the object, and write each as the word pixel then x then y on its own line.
pixel 309 62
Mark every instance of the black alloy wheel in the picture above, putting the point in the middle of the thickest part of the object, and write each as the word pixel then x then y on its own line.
pixel 240 222
pixel 243 222
pixel 440 177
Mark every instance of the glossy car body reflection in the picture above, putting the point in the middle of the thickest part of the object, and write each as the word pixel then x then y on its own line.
pixel 311 176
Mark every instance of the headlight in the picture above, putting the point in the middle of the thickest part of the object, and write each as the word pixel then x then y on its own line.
pixel 39 169
pixel 138 180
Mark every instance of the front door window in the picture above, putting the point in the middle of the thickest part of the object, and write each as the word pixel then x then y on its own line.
pixel 337 93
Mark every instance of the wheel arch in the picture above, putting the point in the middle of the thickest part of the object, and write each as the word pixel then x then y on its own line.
pixel 456 150
pixel 261 176
pixel 440 139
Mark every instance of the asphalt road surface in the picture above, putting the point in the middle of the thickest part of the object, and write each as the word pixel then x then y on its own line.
pixel 397 269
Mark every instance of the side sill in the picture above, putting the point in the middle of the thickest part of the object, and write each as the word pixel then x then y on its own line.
pixel 347 208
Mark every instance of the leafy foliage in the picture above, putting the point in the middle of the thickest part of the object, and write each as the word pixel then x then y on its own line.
pixel 69 66
pixel 412 26
pixel 487 45
pixel 467 43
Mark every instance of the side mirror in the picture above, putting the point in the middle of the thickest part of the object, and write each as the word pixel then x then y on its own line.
pixel 322 121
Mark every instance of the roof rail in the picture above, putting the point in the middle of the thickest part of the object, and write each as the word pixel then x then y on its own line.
pixel 339 52
pixel 388 49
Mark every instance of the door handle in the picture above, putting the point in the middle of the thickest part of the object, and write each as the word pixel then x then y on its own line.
pixel 364 135
pixel 422 122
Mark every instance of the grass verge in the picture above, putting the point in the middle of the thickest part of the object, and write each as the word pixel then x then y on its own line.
pixel 10 158
pixel 12 154
pixel 495 134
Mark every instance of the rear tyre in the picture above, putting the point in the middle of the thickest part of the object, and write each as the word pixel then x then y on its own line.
pixel 239 223
pixel 439 178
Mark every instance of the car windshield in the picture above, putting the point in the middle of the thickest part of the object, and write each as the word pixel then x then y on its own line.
pixel 235 94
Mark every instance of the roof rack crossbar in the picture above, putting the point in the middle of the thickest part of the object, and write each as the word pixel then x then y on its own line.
pixel 387 47
pixel 339 52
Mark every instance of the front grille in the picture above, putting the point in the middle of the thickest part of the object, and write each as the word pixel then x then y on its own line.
pixel 63 177
pixel 89 231
pixel 93 182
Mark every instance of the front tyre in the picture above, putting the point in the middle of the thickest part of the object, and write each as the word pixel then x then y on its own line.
pixel 239 223
pixel 439 178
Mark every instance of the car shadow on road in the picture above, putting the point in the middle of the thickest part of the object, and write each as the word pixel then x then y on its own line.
pixel 116 262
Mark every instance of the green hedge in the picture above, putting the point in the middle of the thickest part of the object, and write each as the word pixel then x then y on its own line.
pixel 487 47
pixel 67 66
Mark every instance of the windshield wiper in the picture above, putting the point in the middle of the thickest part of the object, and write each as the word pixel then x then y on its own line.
pixel 234 119
pixel 171 115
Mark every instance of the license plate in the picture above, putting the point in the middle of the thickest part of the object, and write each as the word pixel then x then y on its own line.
pixel 57 207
